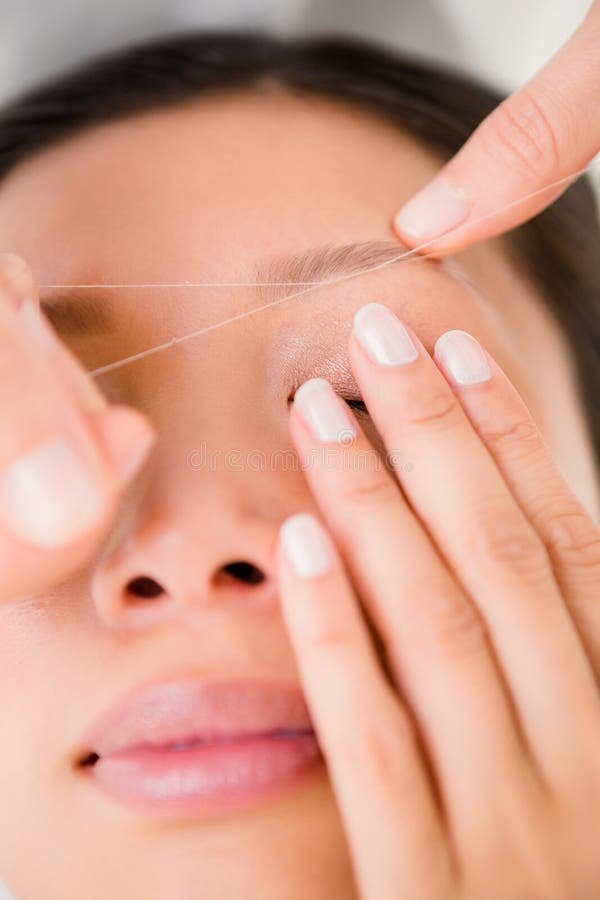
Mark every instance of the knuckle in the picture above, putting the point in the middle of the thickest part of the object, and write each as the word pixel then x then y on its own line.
pixel 515 440
pixel 369 488
pixel 501 542
pixel 384 744
pixel 573 535
pixel 449 627
pixel 438 409
pixel 329 635
pixel 522 130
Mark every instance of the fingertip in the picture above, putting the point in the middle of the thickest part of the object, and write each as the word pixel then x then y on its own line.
pixel 305 546
pixel 16 279
pixel 127 438
pixel 434 211
pixel 462 357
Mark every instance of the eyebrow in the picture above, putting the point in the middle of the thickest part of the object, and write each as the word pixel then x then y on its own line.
pixel 324 263
pixel 76 311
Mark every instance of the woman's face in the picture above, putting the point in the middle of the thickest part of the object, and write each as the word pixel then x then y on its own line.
pixel 238 189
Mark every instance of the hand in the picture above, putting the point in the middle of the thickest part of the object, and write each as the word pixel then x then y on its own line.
pixel 542 133
pixel 473 770
pixel 65 454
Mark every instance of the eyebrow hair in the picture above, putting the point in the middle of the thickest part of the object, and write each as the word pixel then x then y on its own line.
pixel 324 263
pixel 73 312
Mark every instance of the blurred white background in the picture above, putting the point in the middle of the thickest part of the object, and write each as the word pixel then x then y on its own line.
pixel 502 41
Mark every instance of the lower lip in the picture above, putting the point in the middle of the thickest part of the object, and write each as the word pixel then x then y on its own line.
pixel 206 779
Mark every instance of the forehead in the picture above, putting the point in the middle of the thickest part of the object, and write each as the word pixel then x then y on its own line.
pixel 211 184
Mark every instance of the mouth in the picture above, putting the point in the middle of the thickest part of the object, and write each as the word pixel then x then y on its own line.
pixel 192 748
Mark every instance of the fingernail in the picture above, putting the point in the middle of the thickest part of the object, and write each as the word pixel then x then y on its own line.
pixel 47 497
pixel 463 357
pixel 436 209
pixel 306 546
pixel 324 412
pixel 383 336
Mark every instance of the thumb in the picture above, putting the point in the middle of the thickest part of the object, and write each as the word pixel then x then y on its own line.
pixel 544 132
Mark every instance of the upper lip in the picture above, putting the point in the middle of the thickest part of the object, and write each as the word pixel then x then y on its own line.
pixel 188 709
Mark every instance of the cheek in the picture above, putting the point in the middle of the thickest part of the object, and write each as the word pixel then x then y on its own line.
pixel 28 631
pixel 34 666
pixel 43 646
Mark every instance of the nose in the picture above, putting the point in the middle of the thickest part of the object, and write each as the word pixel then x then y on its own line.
pixel 197 531
pixel 207 551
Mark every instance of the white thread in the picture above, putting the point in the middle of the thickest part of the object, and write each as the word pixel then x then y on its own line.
pixel 309 286
pixel 102 370
pixel 184 284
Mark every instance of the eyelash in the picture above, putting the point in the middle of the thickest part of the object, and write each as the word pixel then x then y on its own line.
pixel 354 403
pixel 357 405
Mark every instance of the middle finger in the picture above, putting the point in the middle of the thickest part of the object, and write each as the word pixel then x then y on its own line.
pixel 434 640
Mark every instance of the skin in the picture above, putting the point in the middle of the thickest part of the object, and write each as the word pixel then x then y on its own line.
pixel 531 146
pixel 102 208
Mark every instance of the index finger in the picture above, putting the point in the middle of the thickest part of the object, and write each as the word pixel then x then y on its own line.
pixel 520 158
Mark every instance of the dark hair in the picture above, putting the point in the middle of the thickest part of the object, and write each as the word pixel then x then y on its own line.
pixel 558 249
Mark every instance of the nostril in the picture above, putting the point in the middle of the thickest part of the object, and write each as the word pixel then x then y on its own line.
pixel 244 571
pixel 144 587
pixel 90 760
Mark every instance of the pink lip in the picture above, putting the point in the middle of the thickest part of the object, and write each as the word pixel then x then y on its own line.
pixel 193 748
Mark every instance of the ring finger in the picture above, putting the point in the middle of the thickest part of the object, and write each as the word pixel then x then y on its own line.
pixel 476 522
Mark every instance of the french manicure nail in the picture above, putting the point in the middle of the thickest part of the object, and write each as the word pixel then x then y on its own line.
pixel 306 546
pixel 47 496
pixel 383 336
pixel 463 357
pixel 436 209
pixel 324 412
